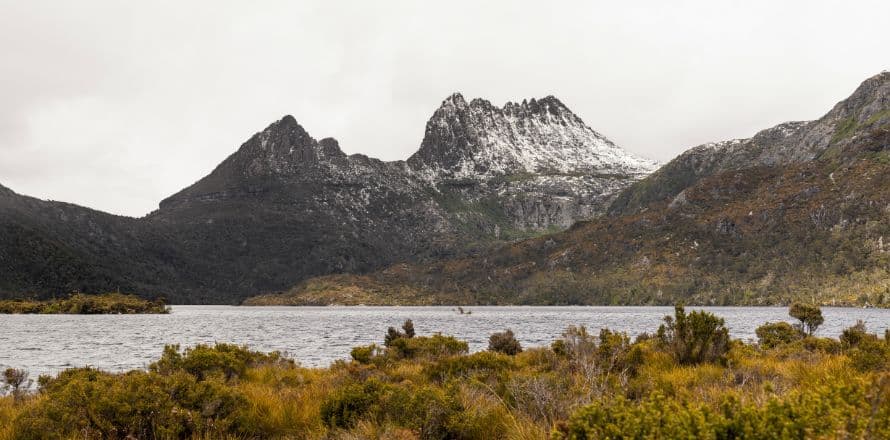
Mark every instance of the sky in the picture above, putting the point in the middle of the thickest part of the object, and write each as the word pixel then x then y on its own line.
pixel 116 105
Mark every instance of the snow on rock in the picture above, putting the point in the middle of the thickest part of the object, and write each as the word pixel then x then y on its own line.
pixel 477 139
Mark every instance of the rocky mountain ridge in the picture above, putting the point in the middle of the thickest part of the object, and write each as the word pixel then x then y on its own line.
pixel 784 144
pixel 286 206
pixel 800 211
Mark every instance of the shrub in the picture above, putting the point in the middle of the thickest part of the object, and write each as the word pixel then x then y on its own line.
pixel 87 403
pixel 485 364
pixel 365 354
pixel 504 342
pixel 853 336
pixel 575 343
pixel 694 338
pixel 392 334
pixel 228 360
pixel 426 410
pixel 825 345
pixel 870 354
pixel 16 380
pixel 810 317
pixel 346 405
pixel 851 413
pixel 615 352
pixel 867 352
pixel 426 346
pixel 774 334
pixel 656 417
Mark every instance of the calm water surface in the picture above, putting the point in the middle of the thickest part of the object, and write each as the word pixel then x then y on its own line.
pixel 316 336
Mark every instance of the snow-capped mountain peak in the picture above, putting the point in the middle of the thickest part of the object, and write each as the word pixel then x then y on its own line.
pixel 535 136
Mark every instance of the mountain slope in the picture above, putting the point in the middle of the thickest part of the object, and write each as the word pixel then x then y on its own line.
pixel 798 211
pixel 51 248
pixel 788 143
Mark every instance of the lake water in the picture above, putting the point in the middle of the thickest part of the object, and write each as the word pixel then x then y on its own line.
pixel 316 336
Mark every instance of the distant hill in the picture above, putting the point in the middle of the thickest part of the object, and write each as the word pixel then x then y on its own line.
pixel 799 211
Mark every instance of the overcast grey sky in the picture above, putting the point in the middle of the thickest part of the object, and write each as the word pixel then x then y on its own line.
pixel 115 105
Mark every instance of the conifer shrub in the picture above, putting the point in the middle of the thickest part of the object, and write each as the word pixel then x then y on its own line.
pixel 694 338
pixel 504 342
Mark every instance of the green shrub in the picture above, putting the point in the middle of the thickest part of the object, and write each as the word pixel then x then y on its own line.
pixel 504 342
pixel 839 408
pixel 86 403
pixel 426 346
pixel 870 354
pixel 426 410
pixel 350 403
pixel 365 354
pixel 825 345
pixel 480 365
pixel 853 336
pixel 228 360
pixel 774 334
pixel 655 418
pixel 694 338
pixel 810 317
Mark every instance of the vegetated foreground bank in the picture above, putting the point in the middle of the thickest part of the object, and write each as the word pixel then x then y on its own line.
pixel 689 380
pixel 83 304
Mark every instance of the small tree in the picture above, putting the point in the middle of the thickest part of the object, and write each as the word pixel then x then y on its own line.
pixel 504 342
pixel 16 380
pixel 810 317
pixel 694 338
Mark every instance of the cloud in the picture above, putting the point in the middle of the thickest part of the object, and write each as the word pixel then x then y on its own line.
pixel 116 105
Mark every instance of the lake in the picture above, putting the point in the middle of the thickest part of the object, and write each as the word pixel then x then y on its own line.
pixel 316 336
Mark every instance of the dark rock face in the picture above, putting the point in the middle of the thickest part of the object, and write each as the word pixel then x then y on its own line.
pixel 285 207
pixel 784 144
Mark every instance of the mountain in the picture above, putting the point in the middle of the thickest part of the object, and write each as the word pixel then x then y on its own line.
pixel 537 160
pixel 799 211
pixel 285 207
pixel 53 248
pixel 787 143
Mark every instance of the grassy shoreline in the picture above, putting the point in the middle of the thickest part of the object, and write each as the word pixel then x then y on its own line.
pixel 83 304
pixel 688 380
